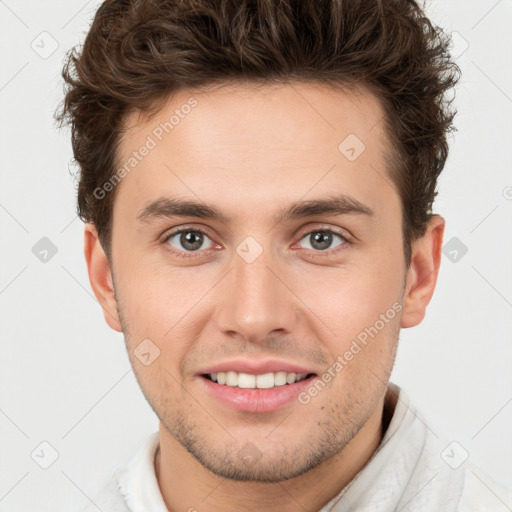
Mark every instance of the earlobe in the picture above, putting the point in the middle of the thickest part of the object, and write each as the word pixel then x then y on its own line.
pixel 100 276
pixel 423 272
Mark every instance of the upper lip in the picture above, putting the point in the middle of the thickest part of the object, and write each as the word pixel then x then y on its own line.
pixel 255 367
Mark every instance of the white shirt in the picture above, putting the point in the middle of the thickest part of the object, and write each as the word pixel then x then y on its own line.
pixel 411 470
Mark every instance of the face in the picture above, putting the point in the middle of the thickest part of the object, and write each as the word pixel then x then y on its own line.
pixel 266 271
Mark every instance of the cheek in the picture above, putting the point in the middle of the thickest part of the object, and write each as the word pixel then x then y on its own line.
pixel 351 298
pixel 167 307
pixel 157 295
pixel 361 307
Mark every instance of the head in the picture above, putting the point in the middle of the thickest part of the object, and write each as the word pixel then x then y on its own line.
pixel 282 121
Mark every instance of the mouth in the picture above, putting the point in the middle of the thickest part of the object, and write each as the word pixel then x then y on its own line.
pixel 260 381
pixel 256 393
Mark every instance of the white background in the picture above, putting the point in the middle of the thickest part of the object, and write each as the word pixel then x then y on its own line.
pixel 65 376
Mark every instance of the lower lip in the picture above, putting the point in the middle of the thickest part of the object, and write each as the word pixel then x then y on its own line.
pixel 257 400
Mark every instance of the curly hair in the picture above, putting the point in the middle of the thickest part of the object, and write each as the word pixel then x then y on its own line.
pixel 137 53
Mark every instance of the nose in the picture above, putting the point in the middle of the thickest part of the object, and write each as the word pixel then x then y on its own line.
pixel 257 301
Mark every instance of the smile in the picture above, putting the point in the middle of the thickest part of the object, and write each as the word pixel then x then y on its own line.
pixel 260 393
pixel 261 381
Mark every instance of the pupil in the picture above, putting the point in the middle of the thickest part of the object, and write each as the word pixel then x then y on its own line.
pixel 191 240
pixel 321 240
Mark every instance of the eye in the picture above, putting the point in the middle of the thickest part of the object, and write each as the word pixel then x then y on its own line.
pixel 322 240
pixel 187 240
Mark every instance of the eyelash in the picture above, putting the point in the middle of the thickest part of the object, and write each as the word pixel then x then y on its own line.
pixel 314 254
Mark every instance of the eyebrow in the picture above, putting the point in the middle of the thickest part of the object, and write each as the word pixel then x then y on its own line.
pixel 168 207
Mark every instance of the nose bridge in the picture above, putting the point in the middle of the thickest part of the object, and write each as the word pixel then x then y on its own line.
pixel 257 301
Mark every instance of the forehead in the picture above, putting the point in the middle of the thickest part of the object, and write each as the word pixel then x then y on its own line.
pixel 262 143
pixel 247 113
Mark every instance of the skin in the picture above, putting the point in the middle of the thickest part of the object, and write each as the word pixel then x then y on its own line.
pixel 251 152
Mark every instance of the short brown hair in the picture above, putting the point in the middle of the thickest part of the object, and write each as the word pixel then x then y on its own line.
pixel 139 52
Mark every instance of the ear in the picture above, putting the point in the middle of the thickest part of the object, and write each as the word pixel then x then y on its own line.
pixel 422 273
pixel 100 276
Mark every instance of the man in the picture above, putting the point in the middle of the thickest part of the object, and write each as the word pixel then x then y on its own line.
pixel 257 181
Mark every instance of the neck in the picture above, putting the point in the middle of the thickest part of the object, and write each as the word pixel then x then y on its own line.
pixel 187 485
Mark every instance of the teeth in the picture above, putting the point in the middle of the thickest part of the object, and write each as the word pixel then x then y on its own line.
pixel 279 379
pixel 244 380
pixel 249 381
pixel 290 378
pixel 231 379
pixel 264 381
